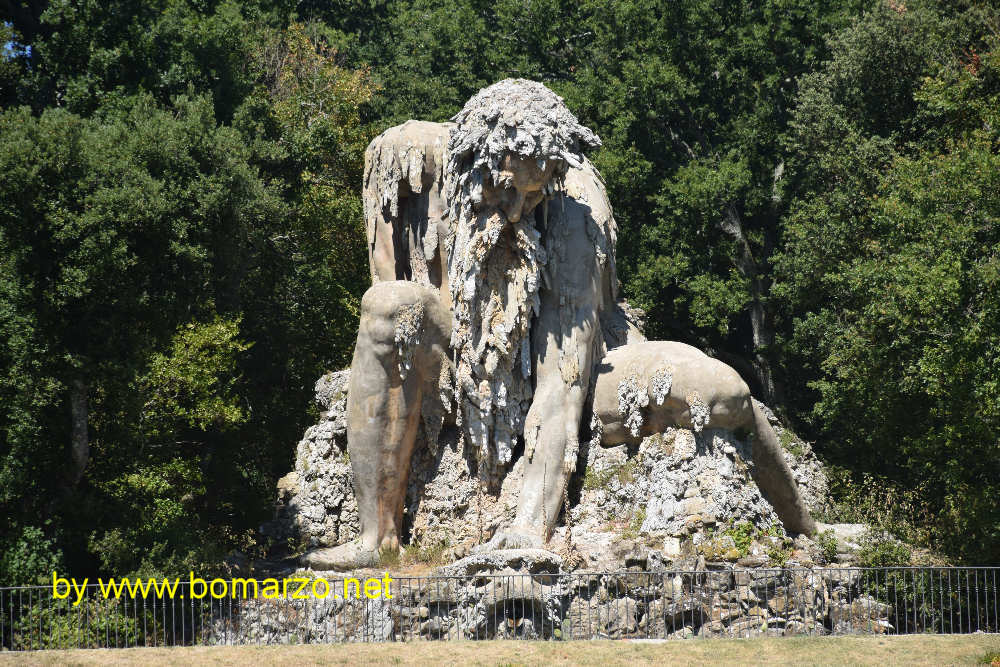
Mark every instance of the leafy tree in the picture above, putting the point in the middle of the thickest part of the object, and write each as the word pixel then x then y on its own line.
pixel 162 249
pixel 192 387
pixel 890 272
pixel 805 190
pixel 84 52
pixel 28 556
pixel 116 230
pixel 304 287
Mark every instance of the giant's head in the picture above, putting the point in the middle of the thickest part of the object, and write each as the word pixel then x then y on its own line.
pixel 509 141
pixel 510 144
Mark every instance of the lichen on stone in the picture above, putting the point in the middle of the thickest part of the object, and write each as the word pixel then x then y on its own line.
pixel 659 385
pixel 409 322
pixel 432 414
pixel 632 398
pixel 494 285
pixel 596 432
pixel 430 242
pixel 520 117
pixel 569 363
pixel 700 413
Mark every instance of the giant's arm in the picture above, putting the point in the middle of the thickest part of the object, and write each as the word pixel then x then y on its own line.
pixel 564 350
pixel 566 337
pixel 402 203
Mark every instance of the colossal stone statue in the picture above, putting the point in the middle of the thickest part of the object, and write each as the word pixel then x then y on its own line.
pixel 495 304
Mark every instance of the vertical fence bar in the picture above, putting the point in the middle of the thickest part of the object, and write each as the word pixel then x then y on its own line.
pixel 975 584
pixel 958 598
pixel 927 613
pixel 951 606
pixel 105 604
pixel 86 620
pixel 941 598
pixel 923 600
pixel 623 619
pixel 985 624
pixel 944 578
pixel 956 601
pixel 961 608
pixel 903 592
pixel 589 600
pixel 996 619
pixel 694 603
pixel 968 601
pixel 173 620
pixel 187 596
pixel 683 603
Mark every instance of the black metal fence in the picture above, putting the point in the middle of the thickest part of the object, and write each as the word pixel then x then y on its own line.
pixel 544 606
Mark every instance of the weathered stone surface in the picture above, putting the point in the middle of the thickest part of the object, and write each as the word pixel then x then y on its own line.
pixel 808 470
pixel 848 535
pixel 452 207
pixel 676 484
pixel 494 308
pixel 521 594
pixel 446 504
pixel 529 561
pixel 316 505
pixel 663 617
pixel 495 300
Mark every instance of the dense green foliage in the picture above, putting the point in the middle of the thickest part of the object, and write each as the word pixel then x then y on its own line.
pixel 808 190
pixel 900 211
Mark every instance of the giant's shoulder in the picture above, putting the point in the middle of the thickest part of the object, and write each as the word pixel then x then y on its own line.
pixel 414 133
pixel 584 184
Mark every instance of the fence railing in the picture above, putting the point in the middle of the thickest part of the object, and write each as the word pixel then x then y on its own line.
pixel 548 606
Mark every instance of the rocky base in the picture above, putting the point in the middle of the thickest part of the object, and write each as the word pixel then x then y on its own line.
pixel 680 492
pixel 686 543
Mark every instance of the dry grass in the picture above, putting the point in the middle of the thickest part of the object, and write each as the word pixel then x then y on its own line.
pixel 911 650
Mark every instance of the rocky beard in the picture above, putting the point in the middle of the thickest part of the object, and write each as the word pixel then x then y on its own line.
pixel 494 272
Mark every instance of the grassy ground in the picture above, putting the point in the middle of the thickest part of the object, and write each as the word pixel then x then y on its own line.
pixel 911 650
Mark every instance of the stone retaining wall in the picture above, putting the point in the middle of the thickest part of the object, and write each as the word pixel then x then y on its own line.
pixel 482 598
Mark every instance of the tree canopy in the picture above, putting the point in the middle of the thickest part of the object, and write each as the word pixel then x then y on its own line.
pixel 806 190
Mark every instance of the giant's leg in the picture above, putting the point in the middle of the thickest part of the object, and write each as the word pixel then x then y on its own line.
pixel 775 477
pixel 551 430
pixel 397 359
pixel 701 391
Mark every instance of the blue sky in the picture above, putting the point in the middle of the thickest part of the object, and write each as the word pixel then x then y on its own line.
pixel 11 49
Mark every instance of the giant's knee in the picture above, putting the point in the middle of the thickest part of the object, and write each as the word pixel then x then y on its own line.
pixel 400 310
pixel 385 299
pixel 381 307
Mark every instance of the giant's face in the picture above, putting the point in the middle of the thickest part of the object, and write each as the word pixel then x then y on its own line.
pixel 519 188
pixel 495 253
